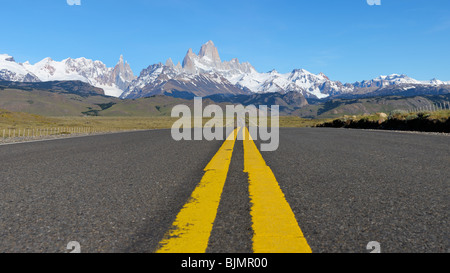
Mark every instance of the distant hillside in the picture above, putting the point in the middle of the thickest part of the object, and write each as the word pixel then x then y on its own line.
pixel 81 99
pixel 50 103
pixel 288 102
pixel 60 103
pixel 394 90
pixel 158 105
pixel 150 106
pixel 338 107
pixel 71 87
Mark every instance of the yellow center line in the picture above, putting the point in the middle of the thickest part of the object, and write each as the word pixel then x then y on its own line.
pixel 191 229
pixel 274 225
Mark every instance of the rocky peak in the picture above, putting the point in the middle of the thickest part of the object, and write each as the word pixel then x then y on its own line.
pixel 188 62
pixel 178 66
pixel 122 74
pixel 209 50
pixel 324 76
pixel 169 62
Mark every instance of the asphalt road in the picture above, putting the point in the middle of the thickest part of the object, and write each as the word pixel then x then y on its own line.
pixel 122 192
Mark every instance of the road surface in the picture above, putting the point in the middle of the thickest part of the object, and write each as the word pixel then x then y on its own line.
pixel 335 190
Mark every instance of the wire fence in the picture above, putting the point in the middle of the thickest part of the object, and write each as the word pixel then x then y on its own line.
pixel 33 133
pixel 434 107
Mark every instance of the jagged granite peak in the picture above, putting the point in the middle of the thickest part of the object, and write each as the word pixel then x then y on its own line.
pixel 178 66
pixel 190 54
pixel 202 74
pixel 208 67
pixel 122 75
pixel 188 62
pixel 208 60
pixel 184 81
pixel 323 75
pixel 209 51
pixel 169 62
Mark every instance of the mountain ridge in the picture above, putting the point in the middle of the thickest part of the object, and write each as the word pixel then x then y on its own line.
pixel 245 77
pixel 202 74
pixel 111 79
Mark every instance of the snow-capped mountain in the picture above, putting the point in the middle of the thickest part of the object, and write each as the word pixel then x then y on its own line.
pixel 207 68
pixel 245 76
pixel 112 80
pixel 208 60
pixel 299 80
pixel 174 80
pixel 12 71
pixel 383 81
pixel 201 74
pixel 395 83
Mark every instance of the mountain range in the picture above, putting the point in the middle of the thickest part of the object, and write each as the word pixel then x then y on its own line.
pixel 203 74
pixel 112 80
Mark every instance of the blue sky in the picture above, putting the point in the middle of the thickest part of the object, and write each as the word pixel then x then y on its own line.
pixel 348 40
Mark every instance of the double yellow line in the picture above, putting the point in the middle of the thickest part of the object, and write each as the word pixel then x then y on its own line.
pixel 275 229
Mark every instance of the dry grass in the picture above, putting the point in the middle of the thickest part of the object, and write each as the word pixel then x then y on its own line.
pixel 15 124
pixel 23 124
